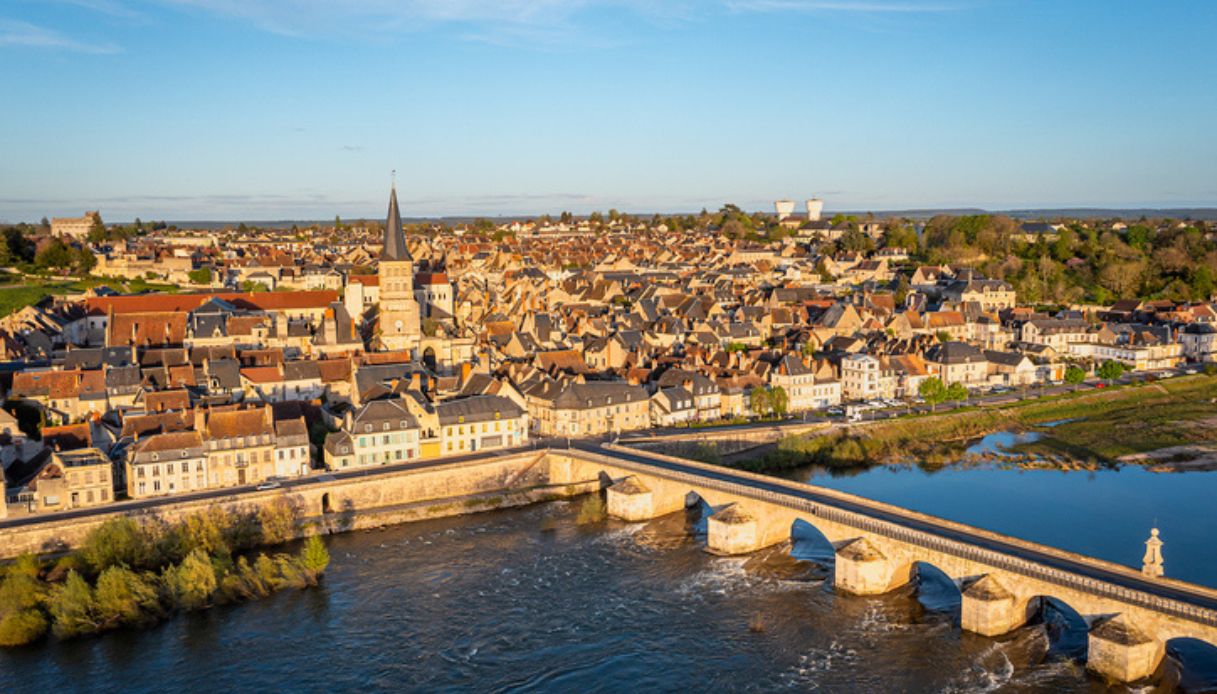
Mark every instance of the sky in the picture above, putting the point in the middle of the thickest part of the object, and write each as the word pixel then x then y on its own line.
pixel 301 109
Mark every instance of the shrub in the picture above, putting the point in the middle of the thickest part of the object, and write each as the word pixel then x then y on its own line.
pixel 119 541
pixel 190 585
pixel 74 608
pixel 592 510
pixel 22 594
pixel 277 520
pixel 314 558
pixel 124 598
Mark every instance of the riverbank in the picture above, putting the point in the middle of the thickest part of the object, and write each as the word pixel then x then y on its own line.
pixel 1131 424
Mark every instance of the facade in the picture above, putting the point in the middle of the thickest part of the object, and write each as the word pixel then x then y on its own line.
pixel 382 432
pixel 168 463
pixel 481 423
pixel 590 409
pixel 958 362
pixel 74 227
pixel 70 479
pixel 240 445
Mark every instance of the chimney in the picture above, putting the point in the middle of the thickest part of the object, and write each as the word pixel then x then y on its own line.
pixel 466 370
pixel 200 420
pixel 416 381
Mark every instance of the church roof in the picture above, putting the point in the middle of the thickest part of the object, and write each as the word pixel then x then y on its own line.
pixel 395 238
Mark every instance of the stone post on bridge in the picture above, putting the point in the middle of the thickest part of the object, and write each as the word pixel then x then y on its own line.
pixel 988 609
pixel 732 530
pixel 1120 652
pixel 862 569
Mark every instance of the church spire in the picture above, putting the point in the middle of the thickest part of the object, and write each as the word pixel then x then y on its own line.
pixel 395 238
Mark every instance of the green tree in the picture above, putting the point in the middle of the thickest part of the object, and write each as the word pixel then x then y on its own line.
pixel 118 541
pixel 22 595
pixel 932 391
pixel 778 400
pixel 760 402
pixel 55 254
pixel 74 608
pixel 191 583
pixel 1110 370
pixel 83 261
pixel 957 392
pixel 124 598
pixel 200 275
pixel 251 286
pixel 1075 375
pixel 314 558
pixel 278 521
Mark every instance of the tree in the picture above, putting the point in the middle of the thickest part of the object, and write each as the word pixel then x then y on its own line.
pixel 778 400
pixel 74 608
pixel 55 254
pixel 191 583
pixel 119 540
pixel 21 596
pixel 84 261
pixel 1075 375
pixel 314 558
pixel 278 522
pixel 1110 370
pixel 760 401
pixel 200 276
pixel 957 392
pixel 932 391
pixel 124 598
pixel 251 286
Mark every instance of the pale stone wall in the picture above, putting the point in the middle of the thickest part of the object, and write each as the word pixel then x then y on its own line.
pixel 351 502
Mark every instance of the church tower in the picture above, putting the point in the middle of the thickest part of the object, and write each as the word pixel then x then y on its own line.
pixel 399 323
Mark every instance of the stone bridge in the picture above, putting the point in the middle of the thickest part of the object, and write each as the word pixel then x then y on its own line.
pixel 879 547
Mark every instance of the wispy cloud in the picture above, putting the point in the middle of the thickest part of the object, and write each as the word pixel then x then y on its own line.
pixel 18 34
pixel 861 6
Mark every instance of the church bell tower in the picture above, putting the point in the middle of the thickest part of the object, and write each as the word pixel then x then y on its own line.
pixel 399 327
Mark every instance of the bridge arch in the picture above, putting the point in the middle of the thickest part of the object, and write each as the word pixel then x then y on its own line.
pixel 808 543
pixel 1066 629
pixel 936 590
pixel 1191 665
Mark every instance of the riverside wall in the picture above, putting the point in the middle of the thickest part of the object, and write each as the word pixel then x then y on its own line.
pixel 338 505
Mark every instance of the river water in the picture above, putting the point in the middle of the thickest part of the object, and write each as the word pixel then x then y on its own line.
pixel 528 600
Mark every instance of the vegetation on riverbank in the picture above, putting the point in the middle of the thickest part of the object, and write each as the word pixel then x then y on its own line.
pixel 1094 426
pixel 134 573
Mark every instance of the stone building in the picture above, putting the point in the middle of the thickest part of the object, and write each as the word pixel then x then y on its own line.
pixel 399 326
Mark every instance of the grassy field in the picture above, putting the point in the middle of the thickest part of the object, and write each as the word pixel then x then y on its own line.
pixel 1096 426
pixel 16 294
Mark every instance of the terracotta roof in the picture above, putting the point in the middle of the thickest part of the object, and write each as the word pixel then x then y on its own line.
pixel 182 303
pixel 160 401
pixel 365 280
pixel 67 438
pixel 262 374
pixel 228 424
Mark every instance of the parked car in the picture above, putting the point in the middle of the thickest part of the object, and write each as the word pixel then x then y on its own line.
pixel 269 484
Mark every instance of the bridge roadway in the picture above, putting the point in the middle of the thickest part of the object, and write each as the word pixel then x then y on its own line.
pixel 797 495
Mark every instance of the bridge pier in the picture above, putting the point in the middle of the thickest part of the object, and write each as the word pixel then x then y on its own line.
pixel 862 569
pixel 732 530
pixel 988 609
pixel 1120 652
pixel 630 500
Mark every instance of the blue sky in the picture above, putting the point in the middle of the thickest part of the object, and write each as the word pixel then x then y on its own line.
pixel 274 109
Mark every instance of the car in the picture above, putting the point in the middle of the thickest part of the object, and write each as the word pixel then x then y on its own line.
pixel 269 484
pixel 1100 384
pixel 835 411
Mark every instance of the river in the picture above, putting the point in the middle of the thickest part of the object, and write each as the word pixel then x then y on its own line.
pixel 528 600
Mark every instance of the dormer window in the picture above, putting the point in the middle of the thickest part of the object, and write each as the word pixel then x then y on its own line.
pixel 367 427
pixel 386 426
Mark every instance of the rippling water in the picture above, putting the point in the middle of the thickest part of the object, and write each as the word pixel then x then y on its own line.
pixel 527 600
